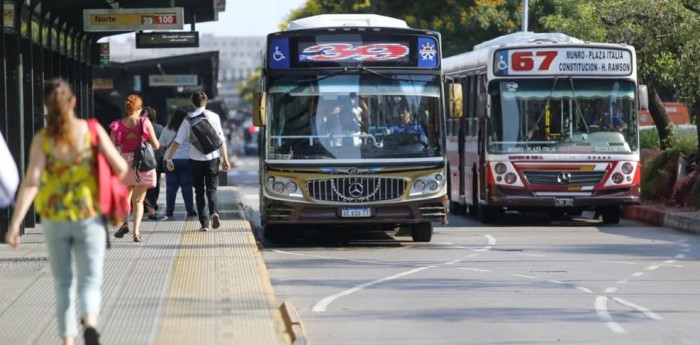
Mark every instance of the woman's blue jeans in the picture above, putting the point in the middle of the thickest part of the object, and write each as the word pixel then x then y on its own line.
pixel 180 178
pixel 85 238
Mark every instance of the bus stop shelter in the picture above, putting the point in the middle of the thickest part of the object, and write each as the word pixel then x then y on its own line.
pixel 45 39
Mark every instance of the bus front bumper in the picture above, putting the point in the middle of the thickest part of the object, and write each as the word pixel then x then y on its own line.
pixel 523 200
pixel 402 212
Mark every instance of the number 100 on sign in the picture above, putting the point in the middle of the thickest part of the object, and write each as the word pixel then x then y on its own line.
pixel 159 20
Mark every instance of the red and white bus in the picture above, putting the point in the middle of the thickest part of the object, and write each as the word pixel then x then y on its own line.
pixel 543 122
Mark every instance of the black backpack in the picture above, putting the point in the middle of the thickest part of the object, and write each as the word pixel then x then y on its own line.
pixel 202 134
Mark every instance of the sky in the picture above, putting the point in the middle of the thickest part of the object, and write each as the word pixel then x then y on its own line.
pixel 245 18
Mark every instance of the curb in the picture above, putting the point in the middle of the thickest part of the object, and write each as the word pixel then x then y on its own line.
pixel 293 323
pixel 686 221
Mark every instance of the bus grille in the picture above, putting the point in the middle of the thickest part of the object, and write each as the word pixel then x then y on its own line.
pixel 356 189
pixel 573 178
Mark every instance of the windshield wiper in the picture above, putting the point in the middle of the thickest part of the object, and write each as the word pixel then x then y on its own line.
pixel 578 109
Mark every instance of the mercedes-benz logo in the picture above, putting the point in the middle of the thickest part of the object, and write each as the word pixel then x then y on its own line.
pixel 564 178
pixel 356 189
pixel 352 171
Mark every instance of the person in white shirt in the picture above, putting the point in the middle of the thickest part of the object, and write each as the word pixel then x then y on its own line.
pixel 205 168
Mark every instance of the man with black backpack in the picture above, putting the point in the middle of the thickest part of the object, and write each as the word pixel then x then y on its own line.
pixel 203 128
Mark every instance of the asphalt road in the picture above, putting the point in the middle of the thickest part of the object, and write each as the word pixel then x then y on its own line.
pixel 523 281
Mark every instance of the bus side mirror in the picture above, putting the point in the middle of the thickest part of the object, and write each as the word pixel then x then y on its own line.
pixel 259 101
pixel 455 100
pixel 643 97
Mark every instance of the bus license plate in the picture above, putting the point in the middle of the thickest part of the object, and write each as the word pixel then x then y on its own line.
pixel 355 212
pixel 563 202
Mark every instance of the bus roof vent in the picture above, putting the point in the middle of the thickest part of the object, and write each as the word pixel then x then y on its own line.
pixel 528 37
pixel 340 20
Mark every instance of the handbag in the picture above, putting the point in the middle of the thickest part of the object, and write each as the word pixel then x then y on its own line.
pixel 144 156
pixel 9 175
pixel 112 193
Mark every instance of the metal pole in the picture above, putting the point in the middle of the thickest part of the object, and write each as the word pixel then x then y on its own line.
pixel 524 17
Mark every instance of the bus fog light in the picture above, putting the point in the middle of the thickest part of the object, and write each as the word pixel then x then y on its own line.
pixel 627 168
pixel 270 179
pixel 500 168
pixel 291 187
pixel 510 178
pixel 617 178
pixel 419 185
pixel 432 185
pixel 629 178
pixel 278 187
pixel 438 177
pixel 499 178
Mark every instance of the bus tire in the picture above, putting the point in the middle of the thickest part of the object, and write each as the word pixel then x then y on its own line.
pixel 611 215
pixel 422 232
pixel 488 214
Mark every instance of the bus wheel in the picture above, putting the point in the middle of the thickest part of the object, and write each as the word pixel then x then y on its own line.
pixel 487 214
pixel 611 215
pixel 422 232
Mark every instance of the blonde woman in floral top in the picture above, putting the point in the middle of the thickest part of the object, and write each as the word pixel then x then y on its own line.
pixel 62 176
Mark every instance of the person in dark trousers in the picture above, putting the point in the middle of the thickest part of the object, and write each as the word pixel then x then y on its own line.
pixel 181 176
pixel 151 202
pixel 205 167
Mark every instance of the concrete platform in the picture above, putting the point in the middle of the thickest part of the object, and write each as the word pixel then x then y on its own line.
pixel 179 286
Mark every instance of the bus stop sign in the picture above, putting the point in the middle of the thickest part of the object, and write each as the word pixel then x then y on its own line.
pixel 130 19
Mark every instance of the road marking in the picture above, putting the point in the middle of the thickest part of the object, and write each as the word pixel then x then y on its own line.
pixel 584 289
pixel 556 281
pixel 601 309
pixel 491 239
pixel 453 262
pixel 669 261
pixel 619 262
pixel 653 267
pixel 334 258
pixel 680 256
pixel 473 269
pixel 524 276
pixel 637 274
pixel 644 310
pixel 473 255
pixel 323 304
pixel 610 289
pixel 621 282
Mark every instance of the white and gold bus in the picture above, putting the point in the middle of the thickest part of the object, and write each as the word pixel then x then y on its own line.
pixel 352 131
pixel 546 122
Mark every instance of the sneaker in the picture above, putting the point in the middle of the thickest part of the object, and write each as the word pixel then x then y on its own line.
pixel 169 214
pixel 204 228
pixel 91 336
pixel 215 222
pixel 157 216
pixel 123 230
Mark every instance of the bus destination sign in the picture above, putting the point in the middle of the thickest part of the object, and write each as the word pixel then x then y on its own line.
pixel 171 39
pixel 133 19
pixel 563 61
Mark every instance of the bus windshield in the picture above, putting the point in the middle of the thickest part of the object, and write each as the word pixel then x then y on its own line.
pixel 358 116
pixel 562 115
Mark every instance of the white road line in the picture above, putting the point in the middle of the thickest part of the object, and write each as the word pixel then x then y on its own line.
pixel 653 267
pixel 524 276
pixel 601 309
pixel 619 262
pixel 491 239
pixel 637 274
pixel 644 310
pixel 680 256
pixel 621 282
pixel 610 289
pixel 473 269
pixel 323 304
pixel 556 281
pixel 473 255
pixel 584 289
pixel 453 262
pixel 335 258
pixel 669 261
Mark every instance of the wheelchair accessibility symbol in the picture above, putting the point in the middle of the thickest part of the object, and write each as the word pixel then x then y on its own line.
pixel 502 65
pixel 277 55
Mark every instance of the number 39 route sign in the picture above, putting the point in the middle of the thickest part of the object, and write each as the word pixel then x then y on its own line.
pixel 131 19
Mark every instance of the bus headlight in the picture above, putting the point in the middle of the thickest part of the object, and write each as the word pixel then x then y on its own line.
pixel 511 178
pixel 618 178
pixel 282 186
pixel 627 168
pixel 427 184
pixel 500 168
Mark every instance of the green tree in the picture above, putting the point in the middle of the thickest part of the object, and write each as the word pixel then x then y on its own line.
pixel 663 50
